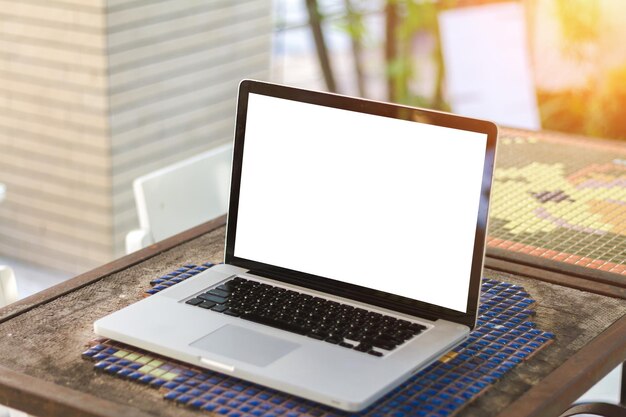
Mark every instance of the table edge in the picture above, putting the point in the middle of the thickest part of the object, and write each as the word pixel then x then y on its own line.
pixel 554 276
pixel 596 275
pixel 89 277
pixel 550 397
pixel 42 398
pixel 559 389
pixel 567 138
pixel 555 392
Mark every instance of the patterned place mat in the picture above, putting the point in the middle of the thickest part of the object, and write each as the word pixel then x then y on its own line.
pixel 503 338
pixel 560 201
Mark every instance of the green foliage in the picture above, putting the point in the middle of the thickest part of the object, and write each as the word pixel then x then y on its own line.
pixel 353 25
pixel 418 15
pixel 413 17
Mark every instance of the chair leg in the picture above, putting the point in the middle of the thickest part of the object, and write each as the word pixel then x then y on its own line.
pixel 595 409
pixel 8 286
pixel 8 412
pixel 622 397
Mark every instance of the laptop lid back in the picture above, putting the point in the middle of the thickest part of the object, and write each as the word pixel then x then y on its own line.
pixel 381 203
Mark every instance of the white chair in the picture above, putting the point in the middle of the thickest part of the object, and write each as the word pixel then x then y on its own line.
pixel 8 286
pixel 180 196
pixel 7 412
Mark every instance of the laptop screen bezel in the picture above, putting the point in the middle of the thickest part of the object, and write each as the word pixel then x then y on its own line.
pixel 367 295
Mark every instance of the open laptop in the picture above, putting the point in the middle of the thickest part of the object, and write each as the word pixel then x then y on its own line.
pixel 354 249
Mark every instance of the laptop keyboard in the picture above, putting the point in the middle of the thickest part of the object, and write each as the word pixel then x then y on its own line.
pixel 341 324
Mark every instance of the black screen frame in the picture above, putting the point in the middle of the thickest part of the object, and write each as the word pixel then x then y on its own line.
pixel 339 288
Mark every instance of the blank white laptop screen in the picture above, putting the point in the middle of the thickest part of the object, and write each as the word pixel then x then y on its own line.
pixel 383 203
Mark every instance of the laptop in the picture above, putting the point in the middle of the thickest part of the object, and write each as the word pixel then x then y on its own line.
pixel 354 249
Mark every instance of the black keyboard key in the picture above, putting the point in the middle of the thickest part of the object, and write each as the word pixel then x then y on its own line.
pixel 341 324
pixel 275 323
pixel 334 340
pixel 360 311
pixel 384 345
pixel 299 323
pixel 337 334
pixel 322 331
pixel 220 308
pixel 403 323
pixel 228 287
pixel 315 317
pixel 403 335
pixel 231 312
pixel 212 298
pixel 219 293
pixel 194 301
pixel 386 336
pixel 363 347
pixel 416 328
pixel 353 335
pixel 389 323
pixel 206 304
pixel 370 333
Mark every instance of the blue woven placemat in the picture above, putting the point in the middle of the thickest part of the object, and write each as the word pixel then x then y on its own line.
pixel 503 338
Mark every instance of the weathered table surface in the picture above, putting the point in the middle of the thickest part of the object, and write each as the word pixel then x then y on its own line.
pixel 41 338
pixel 558 209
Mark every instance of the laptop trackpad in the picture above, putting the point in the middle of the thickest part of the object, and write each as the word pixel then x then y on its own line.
pixel 245 345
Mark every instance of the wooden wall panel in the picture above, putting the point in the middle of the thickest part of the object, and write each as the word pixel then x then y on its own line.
pixel 54 133
pixel 94 93
pixel 174 69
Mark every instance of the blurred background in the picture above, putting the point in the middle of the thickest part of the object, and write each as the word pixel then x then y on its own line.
pixel 94 93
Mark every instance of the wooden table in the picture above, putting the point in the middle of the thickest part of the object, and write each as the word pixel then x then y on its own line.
pixel 580 291
pixel 41 338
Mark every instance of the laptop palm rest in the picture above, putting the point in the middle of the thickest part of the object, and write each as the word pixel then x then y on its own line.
pixel 245 345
